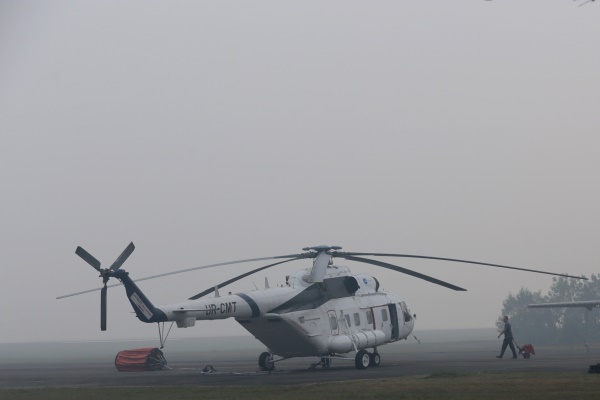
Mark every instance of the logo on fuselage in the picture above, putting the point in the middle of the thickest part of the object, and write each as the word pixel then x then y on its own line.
pixel 223 308
pixel 135 299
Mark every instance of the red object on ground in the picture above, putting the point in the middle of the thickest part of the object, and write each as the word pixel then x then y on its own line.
pixel 146 359
pixel 527 350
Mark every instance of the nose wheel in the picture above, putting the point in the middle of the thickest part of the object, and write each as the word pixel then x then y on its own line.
pixel 375 359
pixel 364 359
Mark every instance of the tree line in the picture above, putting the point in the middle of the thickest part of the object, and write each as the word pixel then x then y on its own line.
pixel 554 325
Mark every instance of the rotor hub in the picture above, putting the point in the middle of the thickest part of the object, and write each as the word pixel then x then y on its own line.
pixel 105 274
pixel 322 248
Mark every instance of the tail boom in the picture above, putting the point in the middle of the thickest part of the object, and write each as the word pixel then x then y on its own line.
pixel 144 309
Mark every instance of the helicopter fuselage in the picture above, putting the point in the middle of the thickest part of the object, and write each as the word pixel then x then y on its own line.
pixel 342 314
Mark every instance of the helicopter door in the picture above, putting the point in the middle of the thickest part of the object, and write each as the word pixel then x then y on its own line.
pixel 394 321
pixel 333 322
pixel 381 320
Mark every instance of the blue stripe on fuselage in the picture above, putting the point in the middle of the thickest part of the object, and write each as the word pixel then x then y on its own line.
pixel 251 303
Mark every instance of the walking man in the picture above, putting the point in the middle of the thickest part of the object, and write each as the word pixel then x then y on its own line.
pixel 508 338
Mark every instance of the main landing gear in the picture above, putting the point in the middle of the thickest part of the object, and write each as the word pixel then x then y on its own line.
pixel 364 359
pixel 265 362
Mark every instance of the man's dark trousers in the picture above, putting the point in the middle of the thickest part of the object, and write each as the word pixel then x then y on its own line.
pixel 508 342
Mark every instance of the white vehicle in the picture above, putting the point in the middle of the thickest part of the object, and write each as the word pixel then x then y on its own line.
pixel 322 311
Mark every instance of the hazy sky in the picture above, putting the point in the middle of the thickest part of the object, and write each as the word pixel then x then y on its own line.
pixel 214 131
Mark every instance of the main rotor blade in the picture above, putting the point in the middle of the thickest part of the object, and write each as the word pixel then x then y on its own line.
pixel 342 254
pixel 87 257
pixel 404 271
pixel 124 255
pixel 237 278
pixel 294 256
pixel 87 291
pixel 103 309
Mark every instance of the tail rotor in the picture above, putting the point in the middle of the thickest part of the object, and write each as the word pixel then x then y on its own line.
pixel 105 274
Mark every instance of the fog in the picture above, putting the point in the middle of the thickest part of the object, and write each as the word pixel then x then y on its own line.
pixel 213 131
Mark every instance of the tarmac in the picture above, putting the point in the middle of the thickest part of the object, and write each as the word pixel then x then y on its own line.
pixel 187 370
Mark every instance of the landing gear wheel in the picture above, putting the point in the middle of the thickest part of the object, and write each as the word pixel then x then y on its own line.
pixel 265 362
pixel 375 359
pixel 362 359
pixel 325 362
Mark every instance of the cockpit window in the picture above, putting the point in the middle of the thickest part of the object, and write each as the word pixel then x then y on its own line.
pixel 407 316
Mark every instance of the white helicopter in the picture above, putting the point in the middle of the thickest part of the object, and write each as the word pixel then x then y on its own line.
pixel 322 311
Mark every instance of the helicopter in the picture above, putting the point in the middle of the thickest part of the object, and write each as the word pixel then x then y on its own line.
pixel 322 311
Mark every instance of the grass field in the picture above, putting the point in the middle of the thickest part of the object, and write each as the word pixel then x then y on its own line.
pixel 440 385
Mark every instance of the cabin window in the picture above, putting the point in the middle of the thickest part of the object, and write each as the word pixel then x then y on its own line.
pixel 369 317
pixel 384 314
pixel 356 319
pixel 333 322
pixel 347 320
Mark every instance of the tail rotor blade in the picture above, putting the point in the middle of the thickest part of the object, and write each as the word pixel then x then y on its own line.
pixel 103 308
pixel 87 257
pixel 123 257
